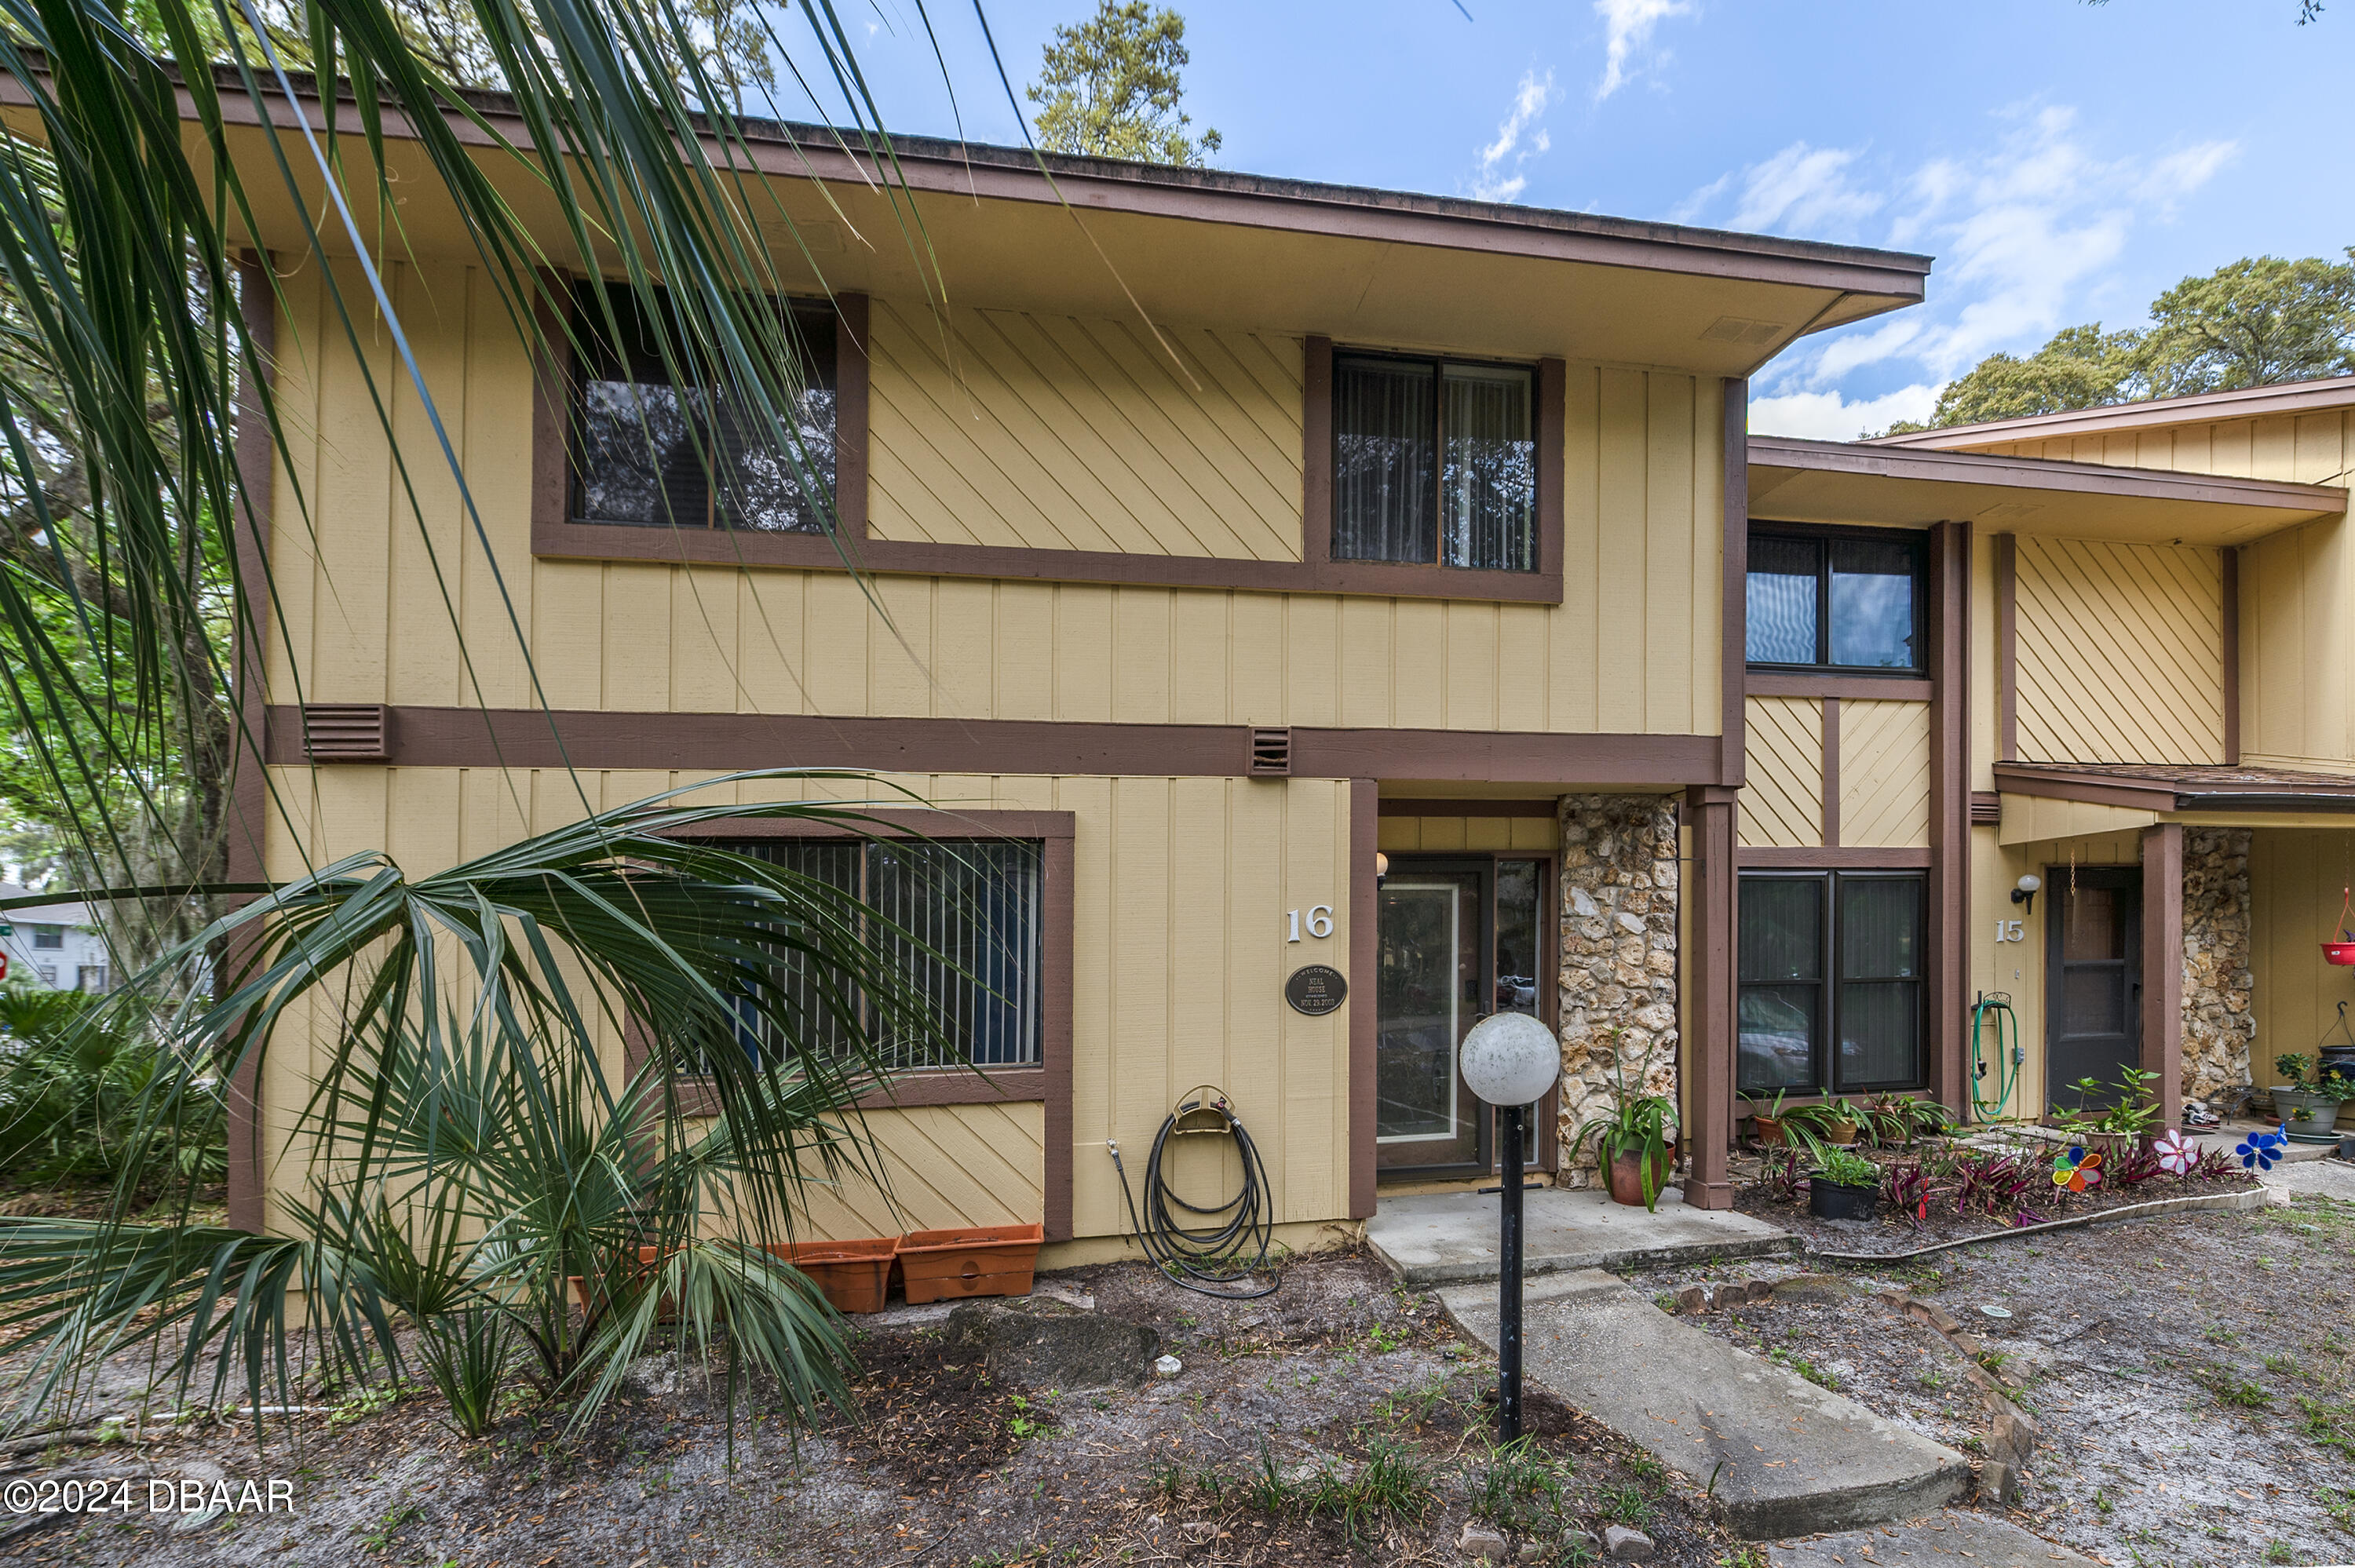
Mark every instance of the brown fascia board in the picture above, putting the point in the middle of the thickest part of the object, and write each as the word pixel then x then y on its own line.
pixel 785 149
pixel 2165 795
pixel 2041 473
pixel 2245 403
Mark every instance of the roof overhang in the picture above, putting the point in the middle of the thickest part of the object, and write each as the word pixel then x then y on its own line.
pixel 1842 481
pixel 2168 790
pixel 2243 403
pixel 1198 245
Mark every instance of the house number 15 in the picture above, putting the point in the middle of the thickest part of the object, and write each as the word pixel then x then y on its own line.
pixel 1320 922
pixel 2009 931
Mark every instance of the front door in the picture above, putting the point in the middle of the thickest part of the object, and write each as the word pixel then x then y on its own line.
pixel 2094 981
pixel 1459 939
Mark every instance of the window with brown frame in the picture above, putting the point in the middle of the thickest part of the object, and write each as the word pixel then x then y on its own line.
pixel 1831 974
pixel 651 424
pixel 1434 462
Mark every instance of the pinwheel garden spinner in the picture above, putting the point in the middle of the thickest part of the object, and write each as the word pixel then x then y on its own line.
pixel 2177 1154
pixel 2263 1150
pixel 2076 1168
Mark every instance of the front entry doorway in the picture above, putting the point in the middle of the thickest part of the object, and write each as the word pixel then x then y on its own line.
pixel 2093 983
pixel 1458 937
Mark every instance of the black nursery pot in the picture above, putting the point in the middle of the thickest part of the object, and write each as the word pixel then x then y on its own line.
pixel 1828 1202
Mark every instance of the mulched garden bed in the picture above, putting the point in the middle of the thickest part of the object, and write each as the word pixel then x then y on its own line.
pixel 2035 1199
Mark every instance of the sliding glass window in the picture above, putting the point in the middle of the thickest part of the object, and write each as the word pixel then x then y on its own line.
pixel 1832 972
pixel 1835 601
pixel 1434 463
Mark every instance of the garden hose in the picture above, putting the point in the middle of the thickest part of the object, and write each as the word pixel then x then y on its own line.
pixel 1991 1016
pixel 1201 1258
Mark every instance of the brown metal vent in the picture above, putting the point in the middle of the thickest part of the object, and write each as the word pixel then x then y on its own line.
pixel 1270 753
pixel 1986 808
pixel 347 732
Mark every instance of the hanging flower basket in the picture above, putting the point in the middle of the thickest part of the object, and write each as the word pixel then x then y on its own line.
pixel 2341 951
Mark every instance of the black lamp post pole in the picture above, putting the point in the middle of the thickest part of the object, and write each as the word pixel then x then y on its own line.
pixel 1508 1285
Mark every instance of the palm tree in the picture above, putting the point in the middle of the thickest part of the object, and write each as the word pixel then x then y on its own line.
pixel 470 1152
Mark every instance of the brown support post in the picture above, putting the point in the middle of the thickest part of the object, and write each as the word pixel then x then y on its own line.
pixel 1365 830
pixel 249 822
pixel 2232 652
pixel 1950 804
pixel 2162 965
pixel 1708 1055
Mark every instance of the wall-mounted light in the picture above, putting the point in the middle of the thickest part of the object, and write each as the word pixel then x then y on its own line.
pixel 1382 867
pixel 2025 892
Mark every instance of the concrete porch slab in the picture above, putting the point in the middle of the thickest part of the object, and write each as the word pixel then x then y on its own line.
pixel 1785 1456
pixel 1450 1238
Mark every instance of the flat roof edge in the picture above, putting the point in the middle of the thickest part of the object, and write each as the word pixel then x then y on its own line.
pixel 2240 403
pixel 2041 473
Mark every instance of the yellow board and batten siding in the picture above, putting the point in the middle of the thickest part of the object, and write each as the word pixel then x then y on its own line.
pixel 1883 774
pixel 1783 791
pixel 991 440
pixel 2119 652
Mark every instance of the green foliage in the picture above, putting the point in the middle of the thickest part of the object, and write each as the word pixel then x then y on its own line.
pixel 1843 1169
pixel 1109 88
pixel 2256 321
pixel 1521 1490
pixel 73 1078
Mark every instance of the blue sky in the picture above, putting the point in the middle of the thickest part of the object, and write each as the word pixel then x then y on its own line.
pixel 2063 161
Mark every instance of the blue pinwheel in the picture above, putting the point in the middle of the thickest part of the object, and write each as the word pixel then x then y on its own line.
pixel 2263 1150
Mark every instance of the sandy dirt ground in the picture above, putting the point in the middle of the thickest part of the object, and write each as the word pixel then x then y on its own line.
pixel 2194 1375
pixel 1336 1421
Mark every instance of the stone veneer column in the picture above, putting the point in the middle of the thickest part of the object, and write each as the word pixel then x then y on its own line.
pixel 2219 1022
pixel 1618 960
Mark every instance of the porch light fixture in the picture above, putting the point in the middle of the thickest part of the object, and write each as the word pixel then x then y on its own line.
pixel 1509 1059
pixel 1382 867
pixel 2025 892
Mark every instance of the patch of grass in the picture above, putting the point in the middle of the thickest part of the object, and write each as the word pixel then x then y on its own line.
pixel 2217 1334
pixel 1520 1489
pixel 2279 1551
pixel 2332 1425
pixel 2102 1503
pixel 1931 1381
pixel 1626 1504
pixel 1266 1489
pixel 2281 1365
pixel 2232 1390
pixel 1411 1408
pixel 389 1526
pixel 1029 1420
pixel 1806 1369
pixel 1391 1484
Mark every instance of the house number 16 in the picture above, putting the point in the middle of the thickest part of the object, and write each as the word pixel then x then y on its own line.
pixel 1320 922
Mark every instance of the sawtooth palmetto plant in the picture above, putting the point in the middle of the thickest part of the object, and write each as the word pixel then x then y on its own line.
pixel 473 1143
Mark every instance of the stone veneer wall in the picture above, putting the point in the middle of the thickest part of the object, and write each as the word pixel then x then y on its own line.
pixel 2218 1023
pixel 1618 960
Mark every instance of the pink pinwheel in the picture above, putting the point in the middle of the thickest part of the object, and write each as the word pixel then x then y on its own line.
pixel 2177 1154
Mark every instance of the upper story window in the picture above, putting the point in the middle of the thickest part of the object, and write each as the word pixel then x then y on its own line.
pixel 965 919
pixel 1835 601
pixel 1434 462
pixel 48 936
pixel 651 425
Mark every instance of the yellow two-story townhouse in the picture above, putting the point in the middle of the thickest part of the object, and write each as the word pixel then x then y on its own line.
pixel 1324 616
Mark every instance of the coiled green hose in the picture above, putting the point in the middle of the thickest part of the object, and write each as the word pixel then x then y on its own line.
pixel 1990 1016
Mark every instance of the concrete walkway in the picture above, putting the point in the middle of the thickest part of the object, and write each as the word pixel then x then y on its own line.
pixel 1448 1238
pixel 1947 1540
pixel 1785 1456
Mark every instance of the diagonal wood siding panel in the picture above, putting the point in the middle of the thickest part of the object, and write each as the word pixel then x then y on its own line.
pixel 2121 655
pixel 1782 802
pixel 1054 432
pixel 1884 773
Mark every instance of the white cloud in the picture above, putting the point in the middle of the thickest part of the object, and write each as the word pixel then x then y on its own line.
pixel 2026 231
pixel 1828 416
pixel 1626 28
pixel 1500 177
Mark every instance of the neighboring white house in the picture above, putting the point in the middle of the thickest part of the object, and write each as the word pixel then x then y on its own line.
pixel 54 944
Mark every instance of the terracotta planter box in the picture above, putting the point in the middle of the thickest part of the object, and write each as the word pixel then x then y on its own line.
pixel 853 1275
pixel 977 1260
pixel 1626 1176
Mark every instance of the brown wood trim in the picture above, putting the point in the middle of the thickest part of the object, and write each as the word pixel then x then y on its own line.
pixel 2230 564
pixel 1365 916
pixel 1849 858
pixel 1986 808
pixel 1549 1108
pixel 851 379
pixel 1316 449
pixel 1950 793
pixel 1710 1060
pixel 552 405
pixel 2094 788
pixel 818 551
pixel 960 1086
pixel 528 738
pixel 2162 965
pixel 892 822
pixel 1398 806
pixel 1831 785
pixel 1929 464
pixel 2007 646
pixel 1733 683
pixel 248 828
pixel 1056 1047
pixel 1856 688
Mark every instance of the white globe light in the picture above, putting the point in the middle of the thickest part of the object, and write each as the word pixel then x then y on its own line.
pixel 1511 1059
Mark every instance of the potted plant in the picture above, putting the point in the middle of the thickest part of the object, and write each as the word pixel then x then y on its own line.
pixel 1843 1186
pixel 1632 1144
pixel 1766 1126
pixel 2306 1107
pixel 1842 1121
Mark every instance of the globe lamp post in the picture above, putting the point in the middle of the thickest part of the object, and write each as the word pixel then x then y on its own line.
pixel 1509 1059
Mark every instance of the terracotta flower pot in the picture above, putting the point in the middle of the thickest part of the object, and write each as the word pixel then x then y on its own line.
pixel 855 1276
pixel 1626 1176
pixel 979 1260
pixel 1841 1132
pixel 1768 1131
